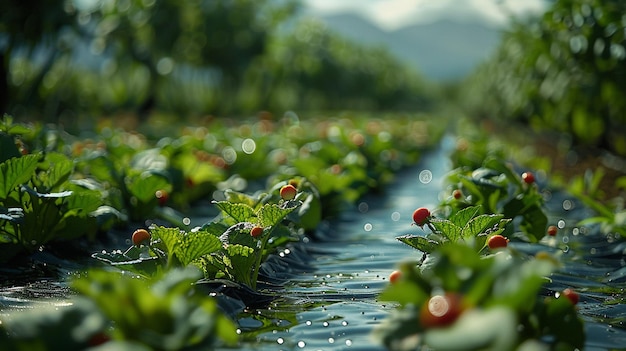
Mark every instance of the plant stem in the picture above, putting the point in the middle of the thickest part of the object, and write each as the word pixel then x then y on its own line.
pixel 257 265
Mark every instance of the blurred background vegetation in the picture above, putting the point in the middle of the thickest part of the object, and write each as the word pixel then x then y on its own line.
pixel 73 60
pixel 68 59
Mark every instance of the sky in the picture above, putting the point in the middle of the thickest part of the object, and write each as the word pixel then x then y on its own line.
pixel 394 14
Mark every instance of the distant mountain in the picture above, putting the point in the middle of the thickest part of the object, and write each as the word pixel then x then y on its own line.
pixel 442 50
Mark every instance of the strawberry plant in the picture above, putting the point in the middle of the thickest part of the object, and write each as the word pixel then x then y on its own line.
pixel 458 299
pixel 120 311
pixel 466 225
pixel 498 189
pixel 39 203
pixel 232 246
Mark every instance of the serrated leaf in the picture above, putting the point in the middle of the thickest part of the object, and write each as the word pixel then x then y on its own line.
pixel 239 212
pixel 462 217
pixel 242 260
pixel 214 228
pixel 194 245
pixel 59 172
pixel 238 197
pixel 272 214
pixel 169 237
pixel 419 242
pixel 131 260
pixel 479 224
pixel 447 229
pixel 16 171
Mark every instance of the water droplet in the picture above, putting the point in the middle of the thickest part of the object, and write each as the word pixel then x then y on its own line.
pixel 331 340
pixel 426 176
pixel 301 344
pixel 248 146
pixel 280 341
pixel 363 207
pixel 568 205
pixel 367 227
pixel 560 224
pixel 325 324
pixel 344 323
pixel 348 342
pixel 308 323
pixel 395 216
pixel 238 331
pixel 186 221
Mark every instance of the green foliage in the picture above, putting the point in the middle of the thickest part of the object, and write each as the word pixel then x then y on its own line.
pixel 222 247
pixel 36 208
pixel 562 72
pixel 499 299
pixel 164 314
pixel 498 190
pixel 119 311
pixel 466 225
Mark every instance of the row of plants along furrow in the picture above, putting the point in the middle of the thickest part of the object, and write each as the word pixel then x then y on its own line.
pixel 272 183
pixel 475 284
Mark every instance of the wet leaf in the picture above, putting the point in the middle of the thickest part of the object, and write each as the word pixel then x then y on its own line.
pixel 419 242
pixel 194 245
pixel 16 171
pixel 238 211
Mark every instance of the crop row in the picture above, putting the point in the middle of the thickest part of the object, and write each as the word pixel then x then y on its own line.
pixel 270 181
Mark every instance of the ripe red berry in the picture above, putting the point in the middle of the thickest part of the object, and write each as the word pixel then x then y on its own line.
pixel 528 177
pixel 441 310
pixel 570 294
pixel 457 194
pixel 98 339
pixel 140 237
pixel 552 230
pixel 421 215
pixel 161 196
pixel 256 232
pixel 395 276
pixel 288 192
pixel 497 241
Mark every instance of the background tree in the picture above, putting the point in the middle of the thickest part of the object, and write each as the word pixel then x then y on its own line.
pixel 565 71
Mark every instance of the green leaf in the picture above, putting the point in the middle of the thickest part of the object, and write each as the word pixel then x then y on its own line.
pixel 146 185
pixel 238 197
pixel 242 260
pixel 196 244
pixel 132 261
pixel 87 201
pixel 238 211
pixel 480 224
pixel 170 237
pixel 272 214
pixel 447 229
pixel 16 171
pixel 462 217
pixel 59 172
pixel 419 242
